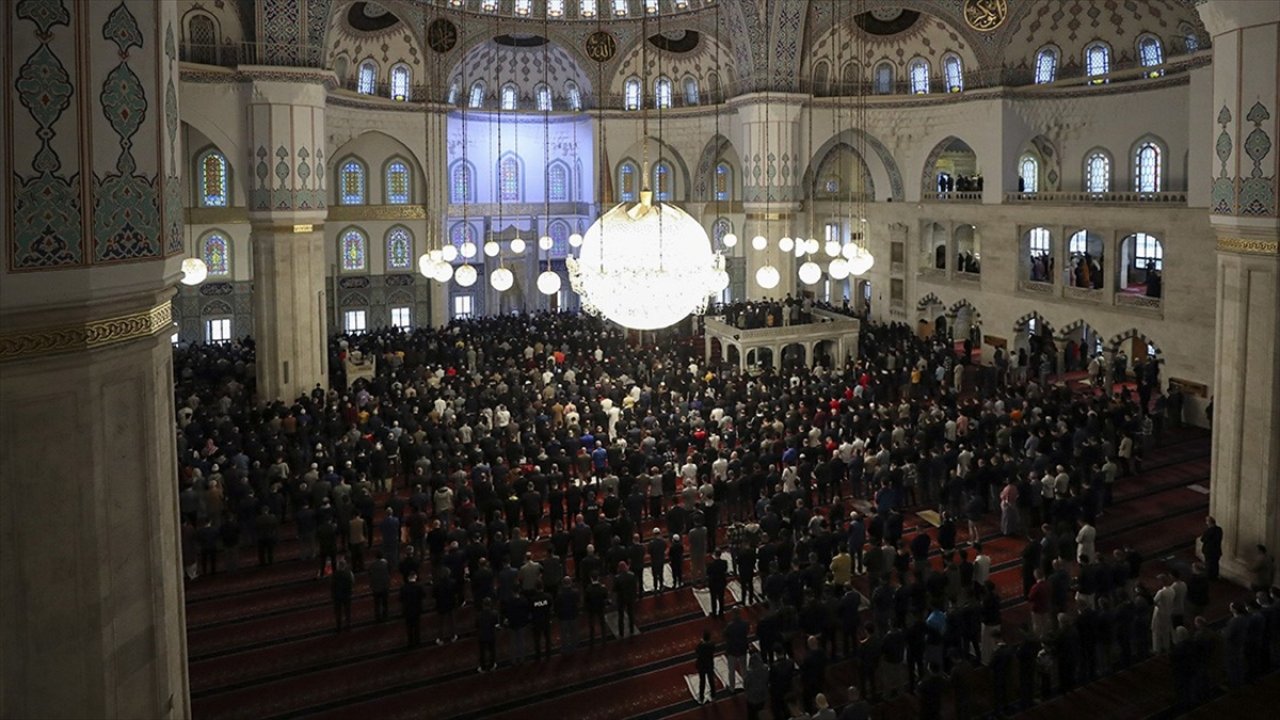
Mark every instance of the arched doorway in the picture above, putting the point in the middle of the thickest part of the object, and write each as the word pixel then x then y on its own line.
pixel 793 355
pixel 761 357
pixel 824 353
pixel 1080 343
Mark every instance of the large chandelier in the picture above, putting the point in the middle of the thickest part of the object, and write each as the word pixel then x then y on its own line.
pixel 645 266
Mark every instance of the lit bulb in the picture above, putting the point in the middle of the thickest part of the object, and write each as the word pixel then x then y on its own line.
pixel 729 240
pixel 549 282
pixel 767 277
pixel 848 251
pixel 810 273
pixel 812 245
pixel 545 242
pixel 491 249
pixel 720 281
pixel 449 253
pixel 759 242
pixel 575 240
pixel 194 271
pixel 468 249
pixel 832 248
pixel 502 279
pixel 838 269
pixel 786 244
pixel 465 276
pixel 443 272
pixel 517 246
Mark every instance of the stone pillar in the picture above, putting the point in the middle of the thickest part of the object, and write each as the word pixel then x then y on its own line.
pixel 1245 487
pixel 773 168
pixel 287 209
pixel 437 202
pixel 90 587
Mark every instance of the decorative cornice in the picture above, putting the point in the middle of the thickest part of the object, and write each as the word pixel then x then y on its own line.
pixel 353 213
pixel 91 335
pixel 217 216
pixel 206 74
pixel 1248 246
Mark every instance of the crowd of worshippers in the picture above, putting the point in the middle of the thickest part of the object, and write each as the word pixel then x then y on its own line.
pixel 533 467
pixel 754 314
pixel 967 262
pixel 1042 267
pixel 959 183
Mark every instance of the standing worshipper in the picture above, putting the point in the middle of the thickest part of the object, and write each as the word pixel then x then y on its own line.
pixel 1162 616
pixel 717 583
pixel 626 589
pixel 389 529
pixel 487 622
pixel 380 585
pixel 342 585
pixel 705 662
pixel 411 595
pixel 1211 547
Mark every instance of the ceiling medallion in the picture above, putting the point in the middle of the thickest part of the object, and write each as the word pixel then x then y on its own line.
pixel 985 15
pixel 601 46
pixel 442 35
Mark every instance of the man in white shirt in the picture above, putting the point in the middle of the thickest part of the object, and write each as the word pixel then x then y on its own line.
pixel 1085 540
pixel 981 565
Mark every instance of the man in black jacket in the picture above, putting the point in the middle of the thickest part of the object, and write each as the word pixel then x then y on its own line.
pixel 1211 547
pixel 411 605
pixel 717 583
pixel 487 622
pixel 705 660
pixel 596 598
pixel 626 590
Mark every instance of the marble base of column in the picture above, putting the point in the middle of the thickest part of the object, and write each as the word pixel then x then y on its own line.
pixel 289 313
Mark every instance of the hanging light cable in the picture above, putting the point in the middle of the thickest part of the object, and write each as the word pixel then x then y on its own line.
pixel 548 280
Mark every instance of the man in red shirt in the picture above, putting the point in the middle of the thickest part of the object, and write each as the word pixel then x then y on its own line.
pixel 1038 598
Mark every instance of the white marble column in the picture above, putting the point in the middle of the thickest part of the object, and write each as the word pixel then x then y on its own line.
pixel 773 167
pixel 1245 487
pixel 287 210
pixel 91 606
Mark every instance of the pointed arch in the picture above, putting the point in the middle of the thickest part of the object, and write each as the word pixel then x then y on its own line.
pixel 213 174
pixel 399 248
pixel 510 178
pixel 884 173
pixel 215 250
pixel 832 178
pixel 710 181
pixel 964 156
pixel 462 182
pixel 397 181
pixel 1149 164
pixel 353 181
pixel 559 182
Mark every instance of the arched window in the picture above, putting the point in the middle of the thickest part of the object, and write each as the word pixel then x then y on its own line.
pixel 1029 174
pixel 628 176
pixel 631 99
pixel 919 74
pixel 524 7
pixel 1190 40
pixel 662 93
pixel 852 76
pixel 1151 54
pixel 1097 173
pixel 509 179
pixel 1079 243
pixel 367 81
pixel 1148 252
pixel 461 183
pixel 954 73
pixel 691 90
pixel 620 7
pixel 351 183
pixel 1147 168
pixel 587 8
pixel 476 99
pixel 397 183
pixel 455 88
pixel 558 182
pixel 461 233
pixel 884 78
pixel 724 182
pixel 651 6
pixel 555 8
pixel 400 82
pixel 662 181
pixel 1097 62
pixel 542 95
pixel 509 96
pixel 353 248
pixel 216 253
pixel 1046 65
pixel 1038 241
pixel 821 76
pixel 559 238
pixel 213 179
pixel 202 39
pixel 574 95
pixel 721 228
pixel 399 248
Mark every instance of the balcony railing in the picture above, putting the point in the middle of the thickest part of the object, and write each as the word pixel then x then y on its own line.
pixel 1084 294
pixel 953 196
pixel 1175 197
pixel 253 53
pixel 1038 288
pixel 1138 301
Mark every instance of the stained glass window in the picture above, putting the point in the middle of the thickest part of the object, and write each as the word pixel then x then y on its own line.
pixel 558 183
pixel 662 93
pixel 213 179
pixel 632 93
pixel 509 96
pixel 367 82
pixel 1029 172
pixel 397 183
pixel 587 8
pixel 574 94
pixel 461 233
pixel 351 183
pixel 1097 62
pixel 509 179
pixel 691 91
pixel 1147 167
pixel 400 82
pixel 724 181
pixel 477 95
pixel 884 78
pixel 662 182
pixel 216 254
pixel 454 88
pixel 524 7
pixel 555 8
pixel 620 7
pixel 355 249
pixel 919 73
pixel 543 95
pixel 559 238
pixel 1191 41
pixel 627 182
pixel 954 72
pixel 1151 53
pixel 721 228
pixel 1046 65
pixel 399 249
pixel 460 187
pixel 1098 173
